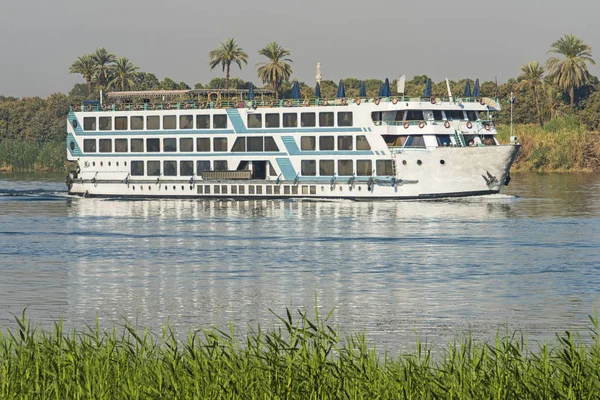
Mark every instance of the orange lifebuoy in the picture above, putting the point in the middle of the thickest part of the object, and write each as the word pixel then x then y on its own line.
pixel 377 101
pixel 136 107
pixel 433 100
pixel 186 106
pixel 421 124
pixel 487 127
pixel 168 106
pixel 344 101
pixel 395 100
pixel 469 125
pixel 202 105
pixel 218 105
pixel 325 102
pixel 481 101
pixel 104 107
pixel 75 108
pixel 306 102
pixel 120 107
pixel 406 124
pixel 153 106
pixel 446 124
pixel 288 103
pixel 357 101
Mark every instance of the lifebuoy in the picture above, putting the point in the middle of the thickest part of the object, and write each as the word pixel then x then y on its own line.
pixel 433 100
pixel 120 107
pixel 76 108
pixel 153 106
pixel 288 103
pixel 377 101
pixel 306 102
pixel 446 124
pixel 487 127
pixel 471 143
pixel 218 105
pixel 469 125
pixel 481 101
pixel 421 124
pixel 168 106
pixel 202 105
pixel 104 107
pixel 136 107
pixel 357 101
pixel 325 102
pixel 186 106
pixel 344 101
pixel 89 108
pixel 406 124
pixel 395 100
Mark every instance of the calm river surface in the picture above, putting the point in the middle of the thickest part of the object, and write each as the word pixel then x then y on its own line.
pixel 528 259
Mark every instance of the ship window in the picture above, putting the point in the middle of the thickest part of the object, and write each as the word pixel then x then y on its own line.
pixel 277 190
pixel 186 168
pixel 105 123
pixel 384 167
pixel 290 120
pixel 137 145
pixel 186 144
pixel 239 145
pixel 364 167
pixel 234 189
pixel 170 168
pixel 326 143
pixel 120 145
pixel 326 168
pixel 152 122
pixel 186 122
pixel 259 189
pixel 202 144
pixel 221 165
pixel 437 115
pixel 271 120
pixel 202 121
pixel 309 167
pixel 89 145
pixel 344 142
pixel 271 169
pixel 454 114
pixel 169 144
pixel 169 122
pixel 223 189
pixel 326 119
pixel 217 189
pixel 362 143
pixel 269 189
pixel 202 166
pixel 250 189
pixel 220 144
pixel 206 189
pixel 137 168
pixel 345 167
pixel 488 140
pixel 89 123
pixel 307 143
pixel 254 120
pixel 105 146
pixel 443 140
pixel 152 145
pixel 120 123
pixel 415 141
pixel 308 119
pixel 345 118
pixel 220 121
pixel 472 116
pixel 153 168
pixel 255 143
pixel 305 189
pixel 414 115
pixel 137 123
pixel 270 144
pixel 394 140
pixel 242 189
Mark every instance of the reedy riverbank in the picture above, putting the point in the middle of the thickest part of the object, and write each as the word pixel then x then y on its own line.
pixel 302 359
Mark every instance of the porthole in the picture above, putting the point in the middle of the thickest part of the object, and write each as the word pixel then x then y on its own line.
pixel 166 187
pixel 350 188
pixel 182 187
pixel 125 163
pixel 442 162
pixel 341 188
pixel 86 164
pixel 332 188
pixel 322 188
pixel 109 163
pixel 174 187
pixel 419 162
pixel 403 162
pixel 149 187
pixel 141 187
pixel 72 145
pixel 74 123
pixel 191 187
pixel 359 188
pixel 133 187
pixel 117 163
pixel 101 163
pixel 93 163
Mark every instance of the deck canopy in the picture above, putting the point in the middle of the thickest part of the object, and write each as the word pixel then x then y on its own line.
pixel 167 94
pixel 148 94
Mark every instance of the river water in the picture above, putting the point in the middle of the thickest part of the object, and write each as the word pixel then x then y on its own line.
pixel 525 260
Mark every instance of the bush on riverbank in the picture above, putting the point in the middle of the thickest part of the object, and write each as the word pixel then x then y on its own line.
pixel 24 156
pixel 303 359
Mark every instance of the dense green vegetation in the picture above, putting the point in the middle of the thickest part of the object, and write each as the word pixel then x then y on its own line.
pixel 301 359
pixel 560 93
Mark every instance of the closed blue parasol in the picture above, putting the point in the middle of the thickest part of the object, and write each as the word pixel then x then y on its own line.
pixel 341 90
pixel 467 92
pixel 250 91
pixel 427 91
pixel 318 91
pixel 387 92
pixel 295 90
pixel 476 88
pixel 362 92
pixel 380 93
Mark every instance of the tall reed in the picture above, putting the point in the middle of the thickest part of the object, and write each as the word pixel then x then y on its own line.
pixel 24 156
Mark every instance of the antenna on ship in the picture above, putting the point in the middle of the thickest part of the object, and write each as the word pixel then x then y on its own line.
pixel 449 92
pixel 319 77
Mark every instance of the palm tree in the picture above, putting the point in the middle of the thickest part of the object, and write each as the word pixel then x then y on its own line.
pixel 103 60
pixel 85 66
pixel 532 78
pixel 228 52
pixel 277 69
pixel 123 73
pixel 571 71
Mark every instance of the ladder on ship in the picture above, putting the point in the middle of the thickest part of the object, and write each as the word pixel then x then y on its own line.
pixel 459 138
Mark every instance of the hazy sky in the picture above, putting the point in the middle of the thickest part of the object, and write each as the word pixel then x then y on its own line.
pixel 364 39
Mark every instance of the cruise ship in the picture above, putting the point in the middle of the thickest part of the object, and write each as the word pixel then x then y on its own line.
pixel 248 144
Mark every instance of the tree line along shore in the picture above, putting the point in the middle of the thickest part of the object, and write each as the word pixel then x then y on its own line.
pixel 556 106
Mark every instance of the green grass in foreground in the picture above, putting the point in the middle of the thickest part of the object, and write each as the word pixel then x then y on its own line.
pixel 303 359
pixel 23 156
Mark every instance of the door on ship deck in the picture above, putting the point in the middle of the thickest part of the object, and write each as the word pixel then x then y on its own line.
pixel 259 169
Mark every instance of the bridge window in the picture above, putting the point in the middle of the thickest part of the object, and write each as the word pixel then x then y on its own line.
pixel 221 165
pixel 443 140
pixel 170 168
pixel 345 118
pixel 153 168
pixel 202 166
pixel 169 122
pixel 89 145
pixel 186 122
pixel 344 142
pixel 415 141
pixel 137 145
pixel 137 123
pixel 120 123
pixel 152 122
pixel 290 120
pixel 120 145
pixel 308 120
pixel 169 144
pixel 186 144
pixel 254 120
pixel 364 167
pixel 437 115
pixel 202 144
pixel 220 144
pixel 186 168
pixel 307 143
pixel 152 146
pixel 472 116
pixel 105 123
pixel 326 168
pixel 255 143
pixel 308 167
pixel 271 120
pixel 137 168
pixel 270 144
pixel 345 167
pixel 220 121
pixel 326 143
pixel 362 143
pixel 326 119
pixel 202 121
pixel 414 115
pixel 89 123
pixel 454 114
pixel 384 167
